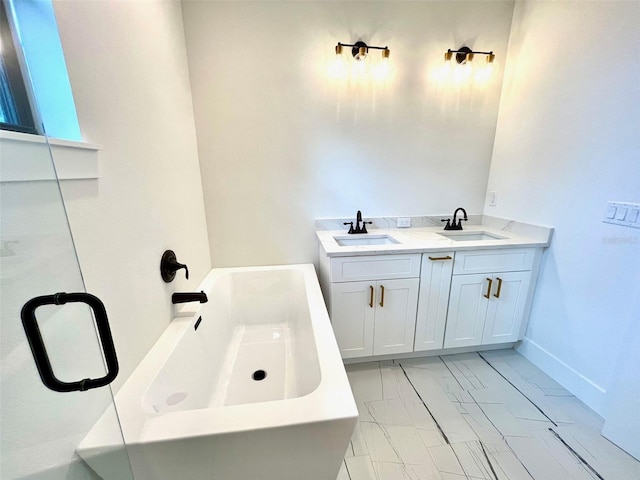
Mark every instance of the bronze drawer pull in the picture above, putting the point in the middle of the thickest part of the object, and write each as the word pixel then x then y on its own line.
pixel 371 296
pixel 440 258
pixel 382 295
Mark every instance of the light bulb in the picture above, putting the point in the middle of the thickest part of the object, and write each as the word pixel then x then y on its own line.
pixel 338 68
pixel 362 53
pixel 381 70
pixel 486 70
pixel 442 73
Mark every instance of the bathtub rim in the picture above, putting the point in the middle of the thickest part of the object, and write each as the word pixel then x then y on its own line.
pixel 330 400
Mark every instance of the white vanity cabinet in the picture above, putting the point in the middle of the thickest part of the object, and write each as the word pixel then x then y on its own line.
pixel 373 302
pixel 489 296
pixel 433 299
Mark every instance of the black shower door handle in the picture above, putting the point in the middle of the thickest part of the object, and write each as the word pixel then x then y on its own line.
pixel 30 324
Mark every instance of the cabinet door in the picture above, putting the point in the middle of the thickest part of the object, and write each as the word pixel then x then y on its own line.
pixel 435 282
pixel 395 316
pixel 467 310
pixel 352 317
pixel 506 307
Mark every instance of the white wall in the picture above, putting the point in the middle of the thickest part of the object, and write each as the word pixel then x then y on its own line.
pixel 281 144
pixel 128 70
pixel 566 143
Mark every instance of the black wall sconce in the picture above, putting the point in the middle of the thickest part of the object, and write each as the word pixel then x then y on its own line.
pixel 465 54
pixel 359 50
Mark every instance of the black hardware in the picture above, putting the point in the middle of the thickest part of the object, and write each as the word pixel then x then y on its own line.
pixel 453 225
pixel 350 227
pixel 39 351
pixel 169 266
pixel 358 228
pixel 197 324
pixel 462 52
pixel 189 297
pixel 355 48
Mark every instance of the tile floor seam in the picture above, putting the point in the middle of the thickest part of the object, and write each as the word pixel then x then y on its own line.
pixel 583 462
pixel 521 393
pixel 484 452
pixel 436 421
pixel 455 454
pixel 502 436
pixel 453 374
pixel 490 451
pixel 346 467
pixel 576 454
pixel 444 436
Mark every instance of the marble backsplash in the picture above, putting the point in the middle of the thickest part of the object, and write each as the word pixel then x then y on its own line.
pixel 534 231
pixel 392 222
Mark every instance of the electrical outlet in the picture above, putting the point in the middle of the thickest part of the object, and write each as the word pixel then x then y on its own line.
pixel 404 222
pixel 493 198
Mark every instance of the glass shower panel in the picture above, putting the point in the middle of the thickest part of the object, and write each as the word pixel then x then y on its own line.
pixel 40 429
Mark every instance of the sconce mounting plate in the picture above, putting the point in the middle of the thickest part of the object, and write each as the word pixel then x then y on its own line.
pixel 355 50
pixel 461 55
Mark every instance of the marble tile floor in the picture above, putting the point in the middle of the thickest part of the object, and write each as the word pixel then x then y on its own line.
pixel 477 416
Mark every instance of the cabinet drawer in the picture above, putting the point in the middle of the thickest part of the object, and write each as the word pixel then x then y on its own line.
pixel 499 260
pixel 374 267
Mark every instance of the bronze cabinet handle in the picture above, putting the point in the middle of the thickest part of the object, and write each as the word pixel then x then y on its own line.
pixel 487 295
pixel 382 295
pixel 440 258
pixel 497 294
pixel 371 296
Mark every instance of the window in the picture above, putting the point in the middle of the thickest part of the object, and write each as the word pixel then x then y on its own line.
pixel 15 108
pixel 35 87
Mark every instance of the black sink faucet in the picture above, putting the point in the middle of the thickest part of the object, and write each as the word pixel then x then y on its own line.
pixel 359 221
pixel 189 297
pixel 452 224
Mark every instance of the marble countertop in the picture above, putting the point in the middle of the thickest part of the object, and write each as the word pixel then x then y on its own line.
pixel 427 239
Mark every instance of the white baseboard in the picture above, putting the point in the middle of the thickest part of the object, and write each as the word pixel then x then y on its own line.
pixel 584 389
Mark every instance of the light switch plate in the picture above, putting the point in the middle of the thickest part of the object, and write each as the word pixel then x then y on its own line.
pixel 493 198
pixel 404 222
pixel 622 213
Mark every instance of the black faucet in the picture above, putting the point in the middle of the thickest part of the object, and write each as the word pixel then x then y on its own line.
pixel 358 229
pixel 169 266
pixel 451 224
pixel 189 297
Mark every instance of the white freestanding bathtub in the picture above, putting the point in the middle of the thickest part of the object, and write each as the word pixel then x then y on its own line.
pixel 251 387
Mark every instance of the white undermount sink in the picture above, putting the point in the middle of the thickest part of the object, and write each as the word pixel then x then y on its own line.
pixel 461 236
pixel 364 239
